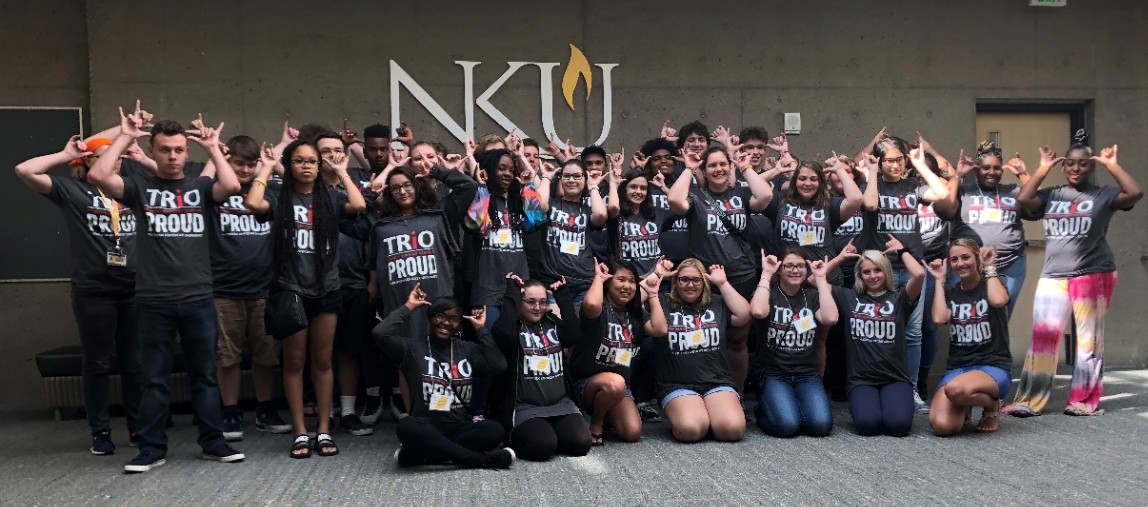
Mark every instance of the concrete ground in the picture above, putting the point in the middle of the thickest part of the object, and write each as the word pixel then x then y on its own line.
pixel 1049 460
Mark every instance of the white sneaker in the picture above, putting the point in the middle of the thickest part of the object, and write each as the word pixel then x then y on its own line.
pixel 919 404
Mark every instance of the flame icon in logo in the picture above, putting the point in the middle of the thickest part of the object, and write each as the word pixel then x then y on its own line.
pixel 578 67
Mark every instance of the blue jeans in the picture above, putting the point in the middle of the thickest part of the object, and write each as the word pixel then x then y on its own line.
pixel 792 404
pixel 195 322
pixel 1013 278
pixel 912 327
pixel 928 328
pixel 882 410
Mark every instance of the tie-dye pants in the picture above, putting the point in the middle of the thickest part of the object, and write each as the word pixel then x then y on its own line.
pixel 1085 297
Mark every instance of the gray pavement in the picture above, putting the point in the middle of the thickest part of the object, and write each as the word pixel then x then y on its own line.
pixel 1049 460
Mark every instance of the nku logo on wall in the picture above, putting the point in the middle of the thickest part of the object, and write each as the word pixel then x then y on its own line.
pixel 577 69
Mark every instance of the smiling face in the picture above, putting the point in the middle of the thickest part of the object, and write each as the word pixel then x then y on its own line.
pixel 872 276
pixel 636 191
pixel 688 284
pixel 893 165
pixel 595 165
pixel 989 172
pixel 663 162
pixel 964 262
pixel 572 180
pixel 534 304
pixel 445 325
pixel 1078 166
pixel 504 173
pixel 423 158
pixel 717 170
pixel 807 181
pixel 793 271
pixel 402 189
pixel 696 143
pixel 756 150
pixel 244 168
pixel 620 289
pixel 304 164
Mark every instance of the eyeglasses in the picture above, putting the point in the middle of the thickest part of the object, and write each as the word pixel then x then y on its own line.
pixel 572 176
pixel 898 160
pixel 447 319
pixel 402 187
pixel 534 303
pixel 793 267
pixel 1084 163
pixel 304 161
pixel 690 280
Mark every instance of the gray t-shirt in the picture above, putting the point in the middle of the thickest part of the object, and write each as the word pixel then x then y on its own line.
pixel 992 217
pixel 636 239
pixel 692 354
pixel 500 252
pixel 88 219
pixel 565 249
pixel 409 250
pixel 897 215
pixel 875 350
pixel 305 278
pixel 174 264
pixel 241 251
pixel 786 350
pixel 711 242
pixel 1075 226
pixel 808 227
pixel 675 236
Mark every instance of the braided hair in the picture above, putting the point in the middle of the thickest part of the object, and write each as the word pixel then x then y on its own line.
pixel 489 163
pixel 325 221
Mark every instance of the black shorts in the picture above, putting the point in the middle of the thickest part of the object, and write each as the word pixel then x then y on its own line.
pixel 327 303
pixel 356 320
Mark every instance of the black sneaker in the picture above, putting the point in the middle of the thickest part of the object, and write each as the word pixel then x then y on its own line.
pixel 134 438
pixel 222 453
pixel 351 424
pixel 398 413
pixel 233 427
pixel 143 462
pixel 372 410
pixel 649 412
pixel 408 459
pixel 270 422
pixel 747 411
pixel 102 444
pixel 500 459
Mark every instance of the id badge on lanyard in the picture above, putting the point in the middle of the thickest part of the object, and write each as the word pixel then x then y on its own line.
pixel 116 256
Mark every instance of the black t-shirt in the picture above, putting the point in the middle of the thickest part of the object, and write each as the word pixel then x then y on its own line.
pixel 897 215
pixel 935 232
pixel 875 350
pixel 608 343
pixel 979 332
pixel 174 263
pixel 241 251
pixel 692 355
pixel 849 230
pixel 88 220
pixel 785 350
pixel 808 227
pixel 565 250
pixel 499 252
pixel 541 367
pixel 305 278
pixel 710 242
pixel 353 263
pixel 674 238
pixel 636 239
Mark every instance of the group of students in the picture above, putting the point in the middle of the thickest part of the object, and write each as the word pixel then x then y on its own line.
pixel 597 291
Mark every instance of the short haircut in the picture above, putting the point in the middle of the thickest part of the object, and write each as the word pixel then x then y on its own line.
pixel 167 128
pixel 653 145
pixel 754 133
pixel 326 135
pixel 377 131
pixel 693 127
pixel 244 146
pixel 311 132
pixel 531 142
pixel 593 149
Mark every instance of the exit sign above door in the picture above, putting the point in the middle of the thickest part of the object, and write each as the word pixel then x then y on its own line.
pixel 1047 3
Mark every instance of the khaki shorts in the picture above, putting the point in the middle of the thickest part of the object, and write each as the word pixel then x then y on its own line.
pixel 241 329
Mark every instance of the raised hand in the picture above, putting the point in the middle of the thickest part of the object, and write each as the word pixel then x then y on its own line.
pixel 477 318
pixel 965 164
pixel 769 263
pixel 664 267
pixel 398 159
pixel 1049 158
pixel 594 181
pixel 549 170
pixel 403 134
pixel 617 159
pixel 571 151
pixel 517 279
pixel 452 161
pixel 1016 166
pixel 417 298
pixel 923 144
pixel 289 134
pixel 893 245
pixel 639 160
pixel 742 158
pixel 1107 156
pixel 267 155
pixel 659 180
pixel 336 163
pixel 779 144
pixel 75 147
pixel 721 135
pixel 692 160
pixel 820 269
pixel 131 125
pixel 197 124
pixel 561 281
pixel 144 116
pixel 526 174
pixel 134 153
pixel 881 135
pixel 988 256
pixel 917 157
pixel 669 133
pixel 787 164
pixel 870 164
pixel 348 134
pixel 552 148
pixel 939 269
pixel 601 271
pixel 733 144
pixel 209 137
pixel 716 275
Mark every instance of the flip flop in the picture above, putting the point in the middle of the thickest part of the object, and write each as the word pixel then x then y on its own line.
pixel 596 439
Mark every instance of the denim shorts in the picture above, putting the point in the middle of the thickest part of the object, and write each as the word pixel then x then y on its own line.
pixel 677 393
pixel 580 389
pixel 1002 377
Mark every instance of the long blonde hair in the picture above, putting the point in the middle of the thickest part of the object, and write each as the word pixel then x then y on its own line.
pixel 707 294
pixel 882 262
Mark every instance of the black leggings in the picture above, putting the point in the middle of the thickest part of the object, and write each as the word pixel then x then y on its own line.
pixel 540 438
pixel 463 443
pixel 882 410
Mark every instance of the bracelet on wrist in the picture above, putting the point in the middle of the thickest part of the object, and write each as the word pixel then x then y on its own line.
pixel 259 181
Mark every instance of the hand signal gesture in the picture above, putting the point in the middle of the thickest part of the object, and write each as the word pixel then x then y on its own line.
pixel 289 134
pixel 965 164
pixel 1107 156
pixel 267 155
pixel 417 298
pixel 779 144
pixel 639 160
pixel 602 271
pixel 477 318
pixel 209 137
pixel 651 284
pixel 348 134
pixel 1049 158
pixel 75 147
pixel 1016 166
pixel 939 269
pixel 669 133
pixel 819 269
pixel 769 264
pixel 716 275
pixel 893 245
pixel 988 256
pixel 721 135
pixel 403 134
pixel 131 124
